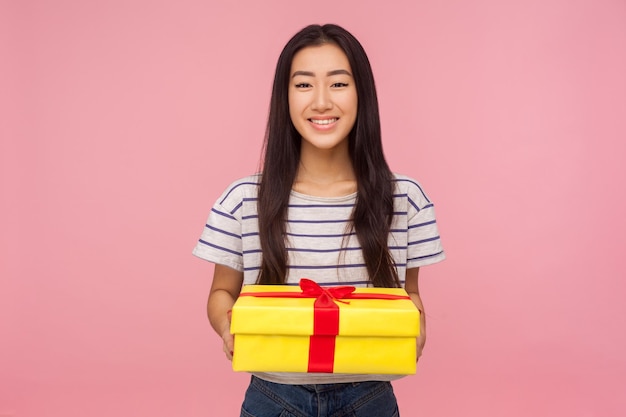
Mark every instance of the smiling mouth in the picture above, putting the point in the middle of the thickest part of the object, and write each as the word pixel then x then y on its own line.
pixel 323 121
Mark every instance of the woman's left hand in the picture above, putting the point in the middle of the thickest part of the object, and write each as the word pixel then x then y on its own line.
pixel 412 288
pixel 421 339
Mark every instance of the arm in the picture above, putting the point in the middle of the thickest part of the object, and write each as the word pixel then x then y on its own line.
pixel 224 291
pixel 412 288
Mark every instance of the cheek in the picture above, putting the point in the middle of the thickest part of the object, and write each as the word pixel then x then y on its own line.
pixel 293 107
pixel 351 104
pixel 293 116
pixel 348 101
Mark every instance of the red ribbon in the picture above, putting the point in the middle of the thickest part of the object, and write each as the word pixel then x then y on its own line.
pixel 325 317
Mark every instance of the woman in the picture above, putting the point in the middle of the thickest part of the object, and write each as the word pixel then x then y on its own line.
pixel 327 207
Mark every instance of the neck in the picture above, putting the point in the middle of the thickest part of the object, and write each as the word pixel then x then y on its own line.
pixel 325 172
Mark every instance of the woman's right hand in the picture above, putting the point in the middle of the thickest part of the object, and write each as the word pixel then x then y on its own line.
pixel 224 291
pixel 228 344
pixel 229 339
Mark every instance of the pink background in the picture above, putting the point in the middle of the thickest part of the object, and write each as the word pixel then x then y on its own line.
pixel 122 121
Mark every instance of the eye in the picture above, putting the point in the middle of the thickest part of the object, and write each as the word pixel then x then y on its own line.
pixel 339 85
pixel 303 85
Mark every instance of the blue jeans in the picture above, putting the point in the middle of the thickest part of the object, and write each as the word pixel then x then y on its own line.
pixel 357 399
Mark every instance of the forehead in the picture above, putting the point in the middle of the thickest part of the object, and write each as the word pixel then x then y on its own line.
pixel 320 59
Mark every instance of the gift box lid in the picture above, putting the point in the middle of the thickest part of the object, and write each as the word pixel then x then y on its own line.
pixel 283 315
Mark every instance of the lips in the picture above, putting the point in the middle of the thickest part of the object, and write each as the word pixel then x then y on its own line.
pixel 323 122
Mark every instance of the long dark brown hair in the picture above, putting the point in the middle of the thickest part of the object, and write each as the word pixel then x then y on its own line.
pixel 373 212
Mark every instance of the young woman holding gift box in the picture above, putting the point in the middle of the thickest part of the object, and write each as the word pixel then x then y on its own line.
pixel 326 207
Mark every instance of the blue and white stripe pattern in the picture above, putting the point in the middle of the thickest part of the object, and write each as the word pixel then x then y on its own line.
pixel 319 243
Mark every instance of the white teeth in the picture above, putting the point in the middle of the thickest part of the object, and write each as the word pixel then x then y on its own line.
pixel 323 121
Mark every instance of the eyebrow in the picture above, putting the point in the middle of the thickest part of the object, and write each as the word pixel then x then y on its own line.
pixel 328 74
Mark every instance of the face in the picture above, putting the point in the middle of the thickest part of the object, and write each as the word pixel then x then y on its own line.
pixel 322 96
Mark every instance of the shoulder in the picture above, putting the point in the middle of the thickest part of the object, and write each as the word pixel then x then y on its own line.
pixel 239 190
pixel 412 189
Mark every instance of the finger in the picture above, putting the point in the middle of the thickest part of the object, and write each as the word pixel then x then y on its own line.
pixel 228 352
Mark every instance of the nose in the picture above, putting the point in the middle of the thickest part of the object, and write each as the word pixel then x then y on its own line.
pixel 321 100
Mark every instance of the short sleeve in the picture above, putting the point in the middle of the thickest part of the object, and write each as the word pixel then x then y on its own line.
pixel 424 242
pixel 221 239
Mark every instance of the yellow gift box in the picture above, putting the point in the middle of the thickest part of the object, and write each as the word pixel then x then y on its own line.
pixel 281 328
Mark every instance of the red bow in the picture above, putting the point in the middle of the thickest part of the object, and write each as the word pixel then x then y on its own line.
pixel 314 290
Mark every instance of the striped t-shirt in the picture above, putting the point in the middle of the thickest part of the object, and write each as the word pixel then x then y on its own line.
pixel 320 244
